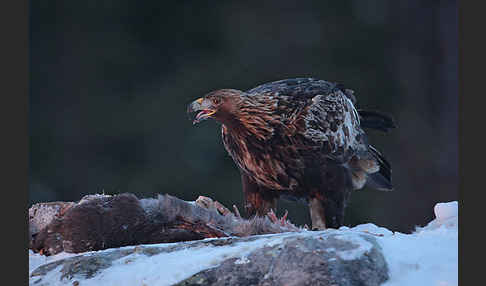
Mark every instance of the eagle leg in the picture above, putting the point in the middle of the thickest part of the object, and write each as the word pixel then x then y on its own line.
pixel 334 212
pixel 258 200
pixel 328 202
pixel 326 212
pixel 317 213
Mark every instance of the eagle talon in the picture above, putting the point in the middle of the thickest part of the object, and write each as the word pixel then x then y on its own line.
pixel 280 221
pixel 237 211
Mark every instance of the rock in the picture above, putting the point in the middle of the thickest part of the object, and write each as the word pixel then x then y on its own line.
pixel 330 257
pixel 301 261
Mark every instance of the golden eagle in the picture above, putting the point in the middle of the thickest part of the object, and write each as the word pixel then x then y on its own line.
pixel 302 138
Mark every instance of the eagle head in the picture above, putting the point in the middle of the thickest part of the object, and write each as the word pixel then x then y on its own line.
pixel 221 105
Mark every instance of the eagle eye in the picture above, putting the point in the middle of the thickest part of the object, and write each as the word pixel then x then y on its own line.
pixel 216 100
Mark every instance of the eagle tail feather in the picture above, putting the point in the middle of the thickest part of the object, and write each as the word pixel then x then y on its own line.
pixel 376 120
pixel 381 180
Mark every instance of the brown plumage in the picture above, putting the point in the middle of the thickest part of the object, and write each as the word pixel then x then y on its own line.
pixel 301 138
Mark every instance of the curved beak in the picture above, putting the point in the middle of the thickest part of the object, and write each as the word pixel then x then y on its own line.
pixel 203 107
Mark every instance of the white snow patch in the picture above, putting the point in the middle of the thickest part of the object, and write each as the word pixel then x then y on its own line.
pixel 53 276
pixel 363 246
pixel 242 260
pixel 446 210
pixel 36 260
pixel 428 256
pixel 369 228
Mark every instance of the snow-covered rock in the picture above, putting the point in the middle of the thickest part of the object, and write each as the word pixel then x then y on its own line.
pixel 362 255
pixel 305 258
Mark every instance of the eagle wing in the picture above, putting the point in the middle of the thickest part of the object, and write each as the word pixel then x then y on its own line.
pixel 320 111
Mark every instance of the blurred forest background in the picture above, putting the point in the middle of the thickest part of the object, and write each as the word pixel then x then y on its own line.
pixel 110 81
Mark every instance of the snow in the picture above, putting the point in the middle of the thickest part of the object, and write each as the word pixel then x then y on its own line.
pixel 36 260
pixel 428 256
pixel 363 247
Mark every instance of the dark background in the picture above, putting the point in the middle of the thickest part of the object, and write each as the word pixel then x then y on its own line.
pixel 110 81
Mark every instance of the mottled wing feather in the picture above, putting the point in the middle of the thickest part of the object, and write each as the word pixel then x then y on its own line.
pixel 327 110
pixel 300 88
pixel 332 121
